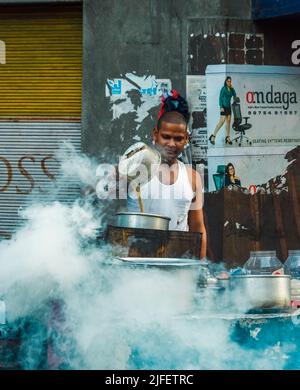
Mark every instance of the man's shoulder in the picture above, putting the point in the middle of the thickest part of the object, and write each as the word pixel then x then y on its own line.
pixel 194 176
pixel 190 169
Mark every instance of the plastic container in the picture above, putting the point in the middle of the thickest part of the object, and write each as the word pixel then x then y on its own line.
pixel 292 264
pixel 292 268
pixel 263 263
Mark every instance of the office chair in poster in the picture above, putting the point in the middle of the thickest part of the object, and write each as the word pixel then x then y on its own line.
pixel 219 177
pixel 237 124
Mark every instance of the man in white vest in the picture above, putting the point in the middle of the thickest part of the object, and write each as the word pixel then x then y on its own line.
pixel 176 190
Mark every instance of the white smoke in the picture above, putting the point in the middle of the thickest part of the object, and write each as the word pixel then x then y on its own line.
pixel 99 314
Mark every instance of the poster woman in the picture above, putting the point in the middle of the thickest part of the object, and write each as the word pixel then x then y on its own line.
pixel 226 93
pixel 230 177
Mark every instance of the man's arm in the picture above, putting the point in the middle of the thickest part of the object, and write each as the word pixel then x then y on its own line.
pixel 195 216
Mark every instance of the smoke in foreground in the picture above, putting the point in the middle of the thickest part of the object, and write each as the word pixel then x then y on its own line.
pixel 85 311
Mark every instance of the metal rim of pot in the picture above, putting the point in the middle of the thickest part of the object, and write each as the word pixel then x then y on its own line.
pixel 138 220
pixel 161 261
pixel 143 214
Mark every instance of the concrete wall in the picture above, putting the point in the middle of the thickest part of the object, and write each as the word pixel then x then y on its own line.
pixel 146 36
pixel 12 2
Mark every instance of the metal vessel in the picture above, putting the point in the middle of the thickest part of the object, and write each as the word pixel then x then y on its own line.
pixel 142 221
pixel 262 291
pixel 140 162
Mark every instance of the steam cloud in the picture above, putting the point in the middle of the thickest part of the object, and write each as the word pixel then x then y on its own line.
pixel 88 312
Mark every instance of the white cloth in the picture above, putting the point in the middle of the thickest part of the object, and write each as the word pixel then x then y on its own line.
pixel 172 200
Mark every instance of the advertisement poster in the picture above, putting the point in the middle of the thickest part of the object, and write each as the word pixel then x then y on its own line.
pixel 196 97
pixel 269 98
pixel 270 105
pixel 253 169
pixel 196 92
pixel 198 142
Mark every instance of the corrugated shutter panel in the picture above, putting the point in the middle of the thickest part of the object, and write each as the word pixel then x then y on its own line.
pixel 28 167
pixel 43 70
pixel 40 103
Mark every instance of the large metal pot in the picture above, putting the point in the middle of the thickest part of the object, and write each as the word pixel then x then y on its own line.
pixel 261 291
pixel 142 221
pixel 180 274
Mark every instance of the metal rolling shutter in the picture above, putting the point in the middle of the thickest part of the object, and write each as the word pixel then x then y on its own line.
pixel 43 70
pixel 28 168
pixel 40 102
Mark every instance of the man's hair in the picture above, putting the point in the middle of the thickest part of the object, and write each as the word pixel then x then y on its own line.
pixel 174 117
pixel 174 110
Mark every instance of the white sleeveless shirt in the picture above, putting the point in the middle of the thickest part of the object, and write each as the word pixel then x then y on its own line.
pixel 170 200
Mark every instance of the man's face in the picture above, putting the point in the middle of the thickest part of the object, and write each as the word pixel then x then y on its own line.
pixel 170 140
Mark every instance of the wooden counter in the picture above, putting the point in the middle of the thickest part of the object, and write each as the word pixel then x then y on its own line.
pixel 129 242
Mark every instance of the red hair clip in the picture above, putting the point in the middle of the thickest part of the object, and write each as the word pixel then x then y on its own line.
pixel 173 95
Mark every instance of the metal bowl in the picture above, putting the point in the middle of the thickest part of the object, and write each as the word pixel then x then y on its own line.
pixel 262 291
pixel 142 221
